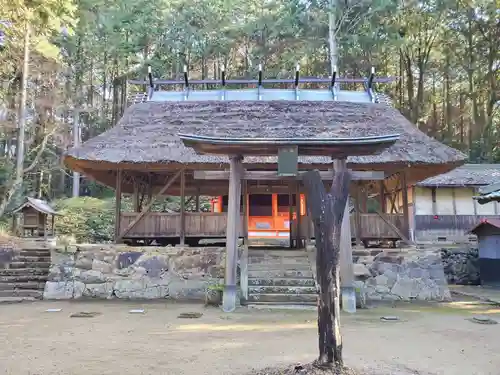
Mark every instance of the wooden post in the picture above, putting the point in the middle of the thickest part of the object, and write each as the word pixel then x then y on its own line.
pixel 45 227
pixel 135 196
pixel 182 233
pixel 327 212
pixel 53 225
pixel 382 197
pixel 298 235
pixel 357 214
pixel 233 217
pixel 197 201
pixel 118 207
pixel 346 272
pixel 244 253
pixel 245 212
pixel 290 216
pixel 406 214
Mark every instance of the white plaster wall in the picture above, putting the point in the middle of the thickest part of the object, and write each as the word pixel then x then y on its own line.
pixel 423 201
pixel 486 209
pixel 464 201
pixel 444 201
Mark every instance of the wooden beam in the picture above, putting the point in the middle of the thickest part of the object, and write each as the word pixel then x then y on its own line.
pixel 382 197
pixel 245 212
pixel 135 196
pixel 290 216
pixel 346 268
pixel 406 211
pixel 298 217
pixel 357 215
pixel 197 202
pixel 272 175
pixel 233 218
pixel 183 209
pixel 148 206
pixel 118 204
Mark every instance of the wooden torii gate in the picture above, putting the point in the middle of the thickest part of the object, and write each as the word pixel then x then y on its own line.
pixel 326 209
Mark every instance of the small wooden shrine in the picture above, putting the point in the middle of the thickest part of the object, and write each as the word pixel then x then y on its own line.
pixel 37 218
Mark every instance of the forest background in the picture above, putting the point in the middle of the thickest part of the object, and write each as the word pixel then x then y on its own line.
pixel 66 62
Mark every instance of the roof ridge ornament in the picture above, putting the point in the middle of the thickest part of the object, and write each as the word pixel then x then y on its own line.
pixel 186 83
pixel 333 88
pixel 223 77
pixel 151 84
pixel 297 75
pixel 259 85
pixel 369 86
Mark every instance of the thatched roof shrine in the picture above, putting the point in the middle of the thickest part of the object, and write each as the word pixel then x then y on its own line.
pixel 146 138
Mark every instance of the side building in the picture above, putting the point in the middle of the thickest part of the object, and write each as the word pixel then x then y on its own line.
pixel 443 207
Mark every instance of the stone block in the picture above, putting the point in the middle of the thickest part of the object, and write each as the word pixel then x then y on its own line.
pixel 104 290
pixel 127 258
pixel 154 266
pixel 143 288
pixel 92 277
pixel 361 271
pixel 104 267
pixel 84 261
pixel 58 290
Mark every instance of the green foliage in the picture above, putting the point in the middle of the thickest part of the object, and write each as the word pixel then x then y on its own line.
pixel 87 219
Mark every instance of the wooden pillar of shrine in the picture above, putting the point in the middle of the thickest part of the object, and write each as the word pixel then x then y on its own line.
pixel 183 209
pixel 233 221
pixel 357 213
pixel 346 269
pixel 406 214
pixel 298 234
pixel 118 206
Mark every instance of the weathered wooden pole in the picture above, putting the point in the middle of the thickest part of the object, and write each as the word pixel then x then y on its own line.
pixel 182 233
pixel 233 220
pixel 327 212
pixel 118 207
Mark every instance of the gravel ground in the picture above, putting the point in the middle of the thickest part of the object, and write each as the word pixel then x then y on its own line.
pixel 426 340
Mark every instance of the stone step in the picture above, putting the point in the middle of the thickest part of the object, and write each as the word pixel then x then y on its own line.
pixel 278 267
pixel 16 299
pixel 284 261
pixel 273 289
pixel 24 272
pixel 24 265
pixel 283 298
pixel 33 285
pixel 28 259
pixel 24 278
pixel 21 293
pixel 282 305
pixel 40 252
pixel 272 274
pixel 277 253
pixel 281 282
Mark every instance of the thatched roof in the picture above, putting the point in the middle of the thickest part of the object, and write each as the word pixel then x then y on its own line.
pixel 466 175
pixel 147 133
pixel 38 204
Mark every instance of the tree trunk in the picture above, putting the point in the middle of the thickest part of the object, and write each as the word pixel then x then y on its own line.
pixel 327 212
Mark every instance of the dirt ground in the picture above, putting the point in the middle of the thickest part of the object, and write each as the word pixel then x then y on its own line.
pixel 427 340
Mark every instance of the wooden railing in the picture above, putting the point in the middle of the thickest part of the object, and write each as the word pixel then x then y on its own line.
pixel 213 224
pixel 372 226
pixel 162 224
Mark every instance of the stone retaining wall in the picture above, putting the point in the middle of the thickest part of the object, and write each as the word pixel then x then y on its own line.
pixel 119 271
pixel 400 276
pixel 461 265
